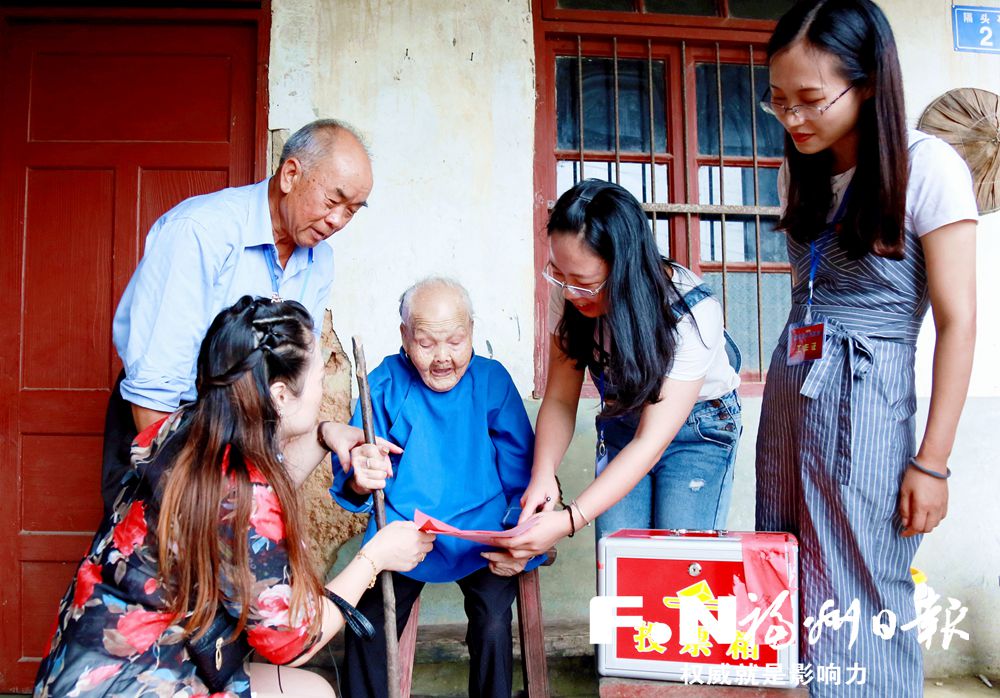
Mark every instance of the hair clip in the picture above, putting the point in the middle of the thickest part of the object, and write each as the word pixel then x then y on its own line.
pixel 271 320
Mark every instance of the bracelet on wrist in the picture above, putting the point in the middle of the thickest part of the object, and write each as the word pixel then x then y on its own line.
pixel 580 512
pixel 928 471
pixel 572 523
pixel 361 555
pixel 319 436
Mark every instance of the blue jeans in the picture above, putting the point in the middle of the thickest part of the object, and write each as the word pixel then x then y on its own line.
pixel 691 485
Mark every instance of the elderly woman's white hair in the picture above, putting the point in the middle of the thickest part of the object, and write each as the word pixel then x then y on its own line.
pixel 406 299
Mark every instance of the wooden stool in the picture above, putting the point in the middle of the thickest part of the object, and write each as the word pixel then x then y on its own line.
pixel 530 629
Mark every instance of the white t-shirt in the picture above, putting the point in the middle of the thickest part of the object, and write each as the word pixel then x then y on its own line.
pixel 938 192
pixel 701 345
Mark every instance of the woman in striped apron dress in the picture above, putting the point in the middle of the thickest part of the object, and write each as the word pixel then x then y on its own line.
pixel 880 224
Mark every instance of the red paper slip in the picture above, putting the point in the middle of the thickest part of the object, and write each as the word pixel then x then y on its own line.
pixel 431 525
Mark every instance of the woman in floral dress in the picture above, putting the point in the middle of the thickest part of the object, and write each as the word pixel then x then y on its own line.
pixel 208 523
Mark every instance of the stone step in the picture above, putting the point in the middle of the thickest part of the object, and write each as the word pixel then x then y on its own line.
pixel 569 677
pixel 440 644
pixel 442 665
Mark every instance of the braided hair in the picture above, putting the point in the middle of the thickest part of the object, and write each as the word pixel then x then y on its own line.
pixel 230 428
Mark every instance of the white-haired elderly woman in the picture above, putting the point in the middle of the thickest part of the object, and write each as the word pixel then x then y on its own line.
pixel 467 452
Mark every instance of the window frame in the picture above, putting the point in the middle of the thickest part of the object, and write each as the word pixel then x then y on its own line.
pixel 682 42
pixel 550 11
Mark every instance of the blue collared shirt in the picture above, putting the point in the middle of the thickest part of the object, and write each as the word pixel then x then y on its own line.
pixel 201 256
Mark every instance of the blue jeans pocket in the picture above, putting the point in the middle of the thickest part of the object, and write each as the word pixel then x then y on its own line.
pixel 690 486
pixel 724 432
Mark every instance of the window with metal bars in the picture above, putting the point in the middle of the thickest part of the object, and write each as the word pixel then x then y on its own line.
pixel 641 106
pixel 746 9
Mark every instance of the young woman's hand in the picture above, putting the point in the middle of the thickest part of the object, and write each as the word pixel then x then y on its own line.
pixel 550 527
pixel 399 547
pixel 923 501
pixel 541 495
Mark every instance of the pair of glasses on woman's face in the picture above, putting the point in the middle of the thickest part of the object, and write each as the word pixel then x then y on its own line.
pixel 802 111
pixel 569 288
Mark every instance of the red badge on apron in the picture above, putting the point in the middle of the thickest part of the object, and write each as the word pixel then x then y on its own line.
pixel 806 339
pixel 805 342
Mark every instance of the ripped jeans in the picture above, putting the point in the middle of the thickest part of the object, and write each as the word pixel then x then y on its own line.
pixel 691 485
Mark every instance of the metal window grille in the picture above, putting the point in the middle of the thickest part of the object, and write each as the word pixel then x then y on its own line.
pixel 679 203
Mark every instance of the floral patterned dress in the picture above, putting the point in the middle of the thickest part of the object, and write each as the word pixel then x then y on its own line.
pixel 114 635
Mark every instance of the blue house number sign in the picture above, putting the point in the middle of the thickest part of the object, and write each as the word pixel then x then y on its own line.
pixel 976 28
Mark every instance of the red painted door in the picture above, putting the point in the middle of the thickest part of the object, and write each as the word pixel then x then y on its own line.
pixel 106 122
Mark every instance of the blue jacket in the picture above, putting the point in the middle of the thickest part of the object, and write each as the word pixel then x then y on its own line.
pixel 467 457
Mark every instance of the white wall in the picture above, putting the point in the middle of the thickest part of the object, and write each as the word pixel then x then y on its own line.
pixel 931 67
pixel 444 92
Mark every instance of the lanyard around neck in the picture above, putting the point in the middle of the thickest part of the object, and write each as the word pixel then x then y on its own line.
pixel 831 227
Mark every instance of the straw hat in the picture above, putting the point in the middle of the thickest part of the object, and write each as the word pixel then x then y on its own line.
pixel 969 120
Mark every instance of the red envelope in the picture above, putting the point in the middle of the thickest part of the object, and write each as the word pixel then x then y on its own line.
pixel 495 538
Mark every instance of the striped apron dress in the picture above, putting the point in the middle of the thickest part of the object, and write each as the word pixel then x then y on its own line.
pixel 833 444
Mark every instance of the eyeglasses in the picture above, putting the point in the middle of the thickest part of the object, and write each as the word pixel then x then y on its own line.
pixel 568 288
pixel 805 111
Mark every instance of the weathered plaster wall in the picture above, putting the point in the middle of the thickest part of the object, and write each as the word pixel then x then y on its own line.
pixel 931 67
pixel 444 92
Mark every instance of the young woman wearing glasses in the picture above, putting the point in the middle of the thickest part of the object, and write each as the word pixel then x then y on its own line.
pixel 880 222
pixel 651 335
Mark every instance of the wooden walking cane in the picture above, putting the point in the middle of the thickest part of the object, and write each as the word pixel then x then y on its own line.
pixel 388 593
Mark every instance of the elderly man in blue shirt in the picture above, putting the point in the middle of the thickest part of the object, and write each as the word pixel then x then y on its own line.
pixel 266 239
pixel 467 451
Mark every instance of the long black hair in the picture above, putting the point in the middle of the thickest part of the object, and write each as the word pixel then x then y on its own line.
pixel 639 321
pixel 234 423
pixel 858 35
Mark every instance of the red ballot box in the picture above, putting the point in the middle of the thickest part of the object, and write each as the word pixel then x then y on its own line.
pixel 713 607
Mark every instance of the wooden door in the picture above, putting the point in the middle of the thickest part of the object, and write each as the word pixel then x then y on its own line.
pixel 106 121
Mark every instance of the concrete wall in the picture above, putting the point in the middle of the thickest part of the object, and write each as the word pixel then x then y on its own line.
pixel 931 67
pixel 444 91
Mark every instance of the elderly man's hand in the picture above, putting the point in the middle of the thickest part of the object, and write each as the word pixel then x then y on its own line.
pixel 371 467
pixel 504 564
